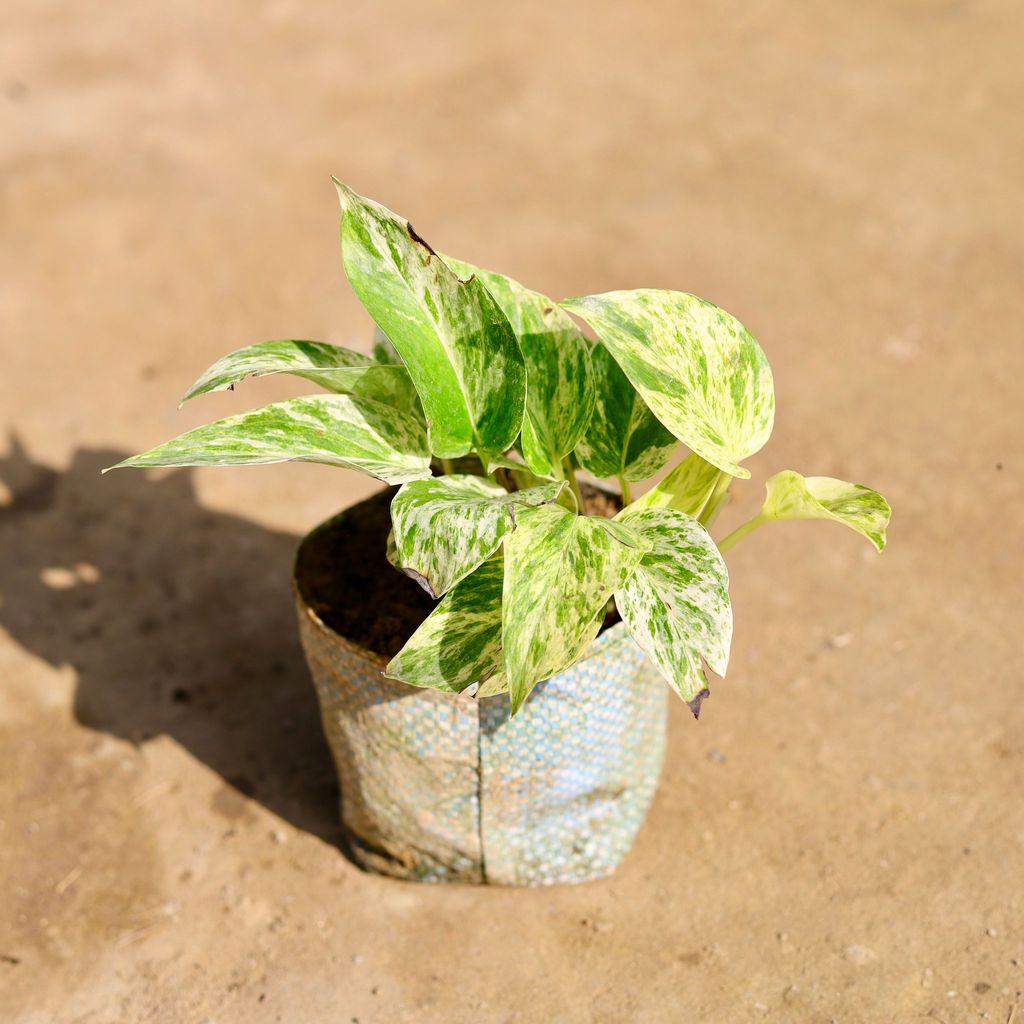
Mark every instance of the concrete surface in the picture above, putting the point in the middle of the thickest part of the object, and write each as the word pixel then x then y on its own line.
pixel 841 838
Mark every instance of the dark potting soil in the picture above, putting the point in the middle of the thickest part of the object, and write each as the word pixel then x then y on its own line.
pixel 344 575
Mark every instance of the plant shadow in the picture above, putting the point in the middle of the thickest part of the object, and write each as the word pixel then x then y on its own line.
pixel 178 620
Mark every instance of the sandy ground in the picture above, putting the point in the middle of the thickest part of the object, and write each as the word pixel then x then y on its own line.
pixel 841 837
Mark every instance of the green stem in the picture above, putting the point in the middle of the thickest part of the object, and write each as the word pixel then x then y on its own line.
pixel 740 532
pixel 446 467
pixel 571 476
pixel 722 484
pixel 624 488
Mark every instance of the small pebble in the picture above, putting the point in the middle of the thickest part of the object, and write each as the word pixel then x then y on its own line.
pixel 859 955
pixel 278 836
pixel 57 578
pixel 840 640
pixel 716 756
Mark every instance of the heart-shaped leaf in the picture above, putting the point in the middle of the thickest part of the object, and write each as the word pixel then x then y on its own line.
pixel 792 496
pixel 560 572
pixel 687 488
pixel 339 430
pixel 446 526
pixel 333 368
pixel 676 603
pixel 458 346
pixel 623 438
pixel 459 642
pixel 697 367
pixel 560 386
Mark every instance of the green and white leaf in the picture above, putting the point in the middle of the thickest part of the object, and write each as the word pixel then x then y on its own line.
pixel 686 489
pixel 560 386
pixel 331 367
pixel 560 571
pixel 446 526
pixel 697 367
pixel 339 430
pixel 676 605
pixel 792 496
pixel 623 437
pixel 456 343
pixel 459 642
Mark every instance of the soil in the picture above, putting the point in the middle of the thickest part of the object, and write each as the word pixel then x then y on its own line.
pixel 343 574
pixel 840 838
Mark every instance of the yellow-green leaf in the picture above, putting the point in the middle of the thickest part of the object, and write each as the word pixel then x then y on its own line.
pixel 560 385
pixel 623 439
pixel 459 643
pixel 687 488
pixel 446 526
pixel 339 430
pixel 676 603
pixel 456 343
pixel 792 496
pixel 331 367
pixel 697 367
pixel 560 572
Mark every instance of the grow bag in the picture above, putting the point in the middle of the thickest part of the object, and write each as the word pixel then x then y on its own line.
pixel 444 788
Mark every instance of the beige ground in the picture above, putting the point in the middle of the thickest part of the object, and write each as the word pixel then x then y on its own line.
pixel 841 838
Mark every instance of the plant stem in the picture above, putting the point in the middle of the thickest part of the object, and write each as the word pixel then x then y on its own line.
pixel 624 488
pixel 571 476
pixel 717 496
pixel 446 467
pixel 740 532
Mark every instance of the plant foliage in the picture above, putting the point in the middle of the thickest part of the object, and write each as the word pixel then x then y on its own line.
pixel 470 365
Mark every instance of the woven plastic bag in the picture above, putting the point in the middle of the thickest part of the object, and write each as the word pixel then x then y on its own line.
pixel 444 788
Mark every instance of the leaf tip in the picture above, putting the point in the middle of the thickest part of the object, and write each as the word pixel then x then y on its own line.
pixel 694 704
pixel 345 194
pixel 422 581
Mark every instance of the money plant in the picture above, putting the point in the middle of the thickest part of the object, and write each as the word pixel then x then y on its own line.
pixel 484 401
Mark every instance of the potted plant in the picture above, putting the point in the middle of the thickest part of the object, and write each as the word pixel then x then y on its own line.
pixel 499 721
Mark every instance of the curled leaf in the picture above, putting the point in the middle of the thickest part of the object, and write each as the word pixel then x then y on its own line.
pixel 792 496
pixel 331 367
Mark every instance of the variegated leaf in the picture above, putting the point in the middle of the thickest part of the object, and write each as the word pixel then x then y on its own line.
pixel 687 488
pixel 445 527
pixel 339 430
pixel 792 496
pixel 333 368
pixel 458 346
pixel 623 438
pixel 560 571
pixel 676 604
pixel 560 386
pixel 459 643
pixel 698 368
